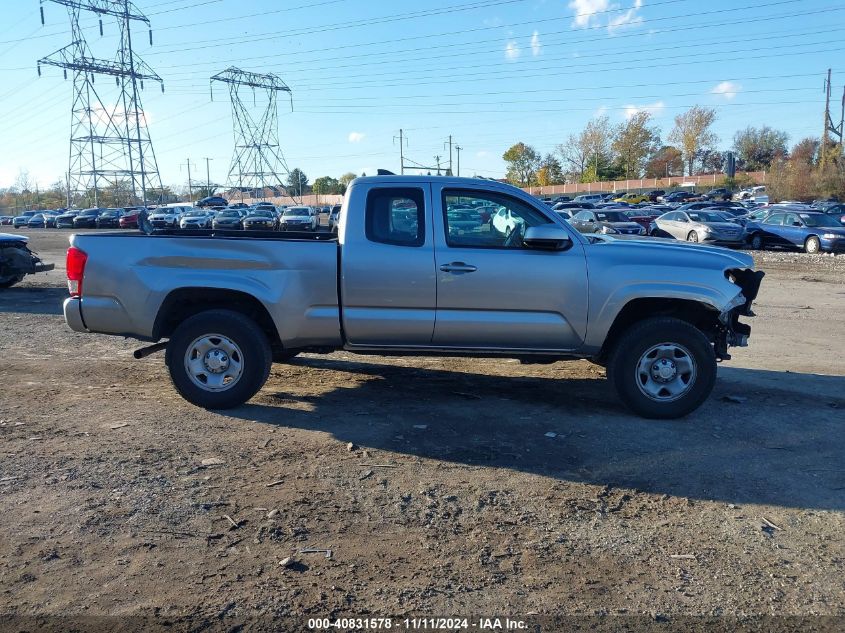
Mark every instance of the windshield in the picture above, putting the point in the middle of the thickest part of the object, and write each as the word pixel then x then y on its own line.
pixel 820 219
pixel 611 216
pixel 704 216
pixel 260 213
pixel 295 211
pixel 228 214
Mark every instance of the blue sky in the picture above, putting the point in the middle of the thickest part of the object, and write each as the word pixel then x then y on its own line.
pixel 489 73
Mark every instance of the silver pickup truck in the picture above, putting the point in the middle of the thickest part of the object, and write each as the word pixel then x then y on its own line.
pixel 419 265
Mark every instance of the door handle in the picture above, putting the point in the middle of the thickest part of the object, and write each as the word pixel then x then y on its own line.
pixel 458 267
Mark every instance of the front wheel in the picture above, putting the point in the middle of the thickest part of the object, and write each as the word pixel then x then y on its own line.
pixel 10 280
pixel 218 359
pixel 663 368
pixel 812 245
pixel 692 237
pixel 757 242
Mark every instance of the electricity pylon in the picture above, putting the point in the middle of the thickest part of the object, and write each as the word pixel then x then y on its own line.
pixel 110 146
pixel 257 161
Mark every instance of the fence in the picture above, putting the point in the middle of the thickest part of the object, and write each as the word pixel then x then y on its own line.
pixel 705 180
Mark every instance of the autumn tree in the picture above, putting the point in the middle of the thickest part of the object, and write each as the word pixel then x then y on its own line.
pixel 634 141
pixel 522 161
pixel 550 171
pixel 574 153
pixel 665 163
pixel 756 148
pixel 345 179
pixel 693 134
pixel 806 150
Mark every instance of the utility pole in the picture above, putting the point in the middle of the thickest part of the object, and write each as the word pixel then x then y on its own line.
pixel 450 155
pixel 437 158
pixel 823 151
pixel 401 150
pixel 190 185
pixel 458 149
pixel 208 174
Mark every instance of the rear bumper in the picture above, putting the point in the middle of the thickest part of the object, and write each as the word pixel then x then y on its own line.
pixel 72 308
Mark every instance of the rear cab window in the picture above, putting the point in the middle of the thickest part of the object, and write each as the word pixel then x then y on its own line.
pixel 396 216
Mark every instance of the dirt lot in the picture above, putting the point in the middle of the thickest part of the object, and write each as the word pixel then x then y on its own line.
pixel 436 483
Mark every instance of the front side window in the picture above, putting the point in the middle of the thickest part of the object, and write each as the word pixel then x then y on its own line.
pixel 396 216
pixel 775 218
pixel 469 224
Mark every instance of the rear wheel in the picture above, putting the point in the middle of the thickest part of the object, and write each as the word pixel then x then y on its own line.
pixel 663 368
pixel 692 237
pixel 757 242
pixel 218 359
pixel 812 245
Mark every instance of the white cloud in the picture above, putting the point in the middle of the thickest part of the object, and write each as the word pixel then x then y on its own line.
pixel 586 10
pixel 356 137
pixel 536 46
pixel 597 13
pixel 654 108
pixel 512 50
pixel 727 89
pixel 482 154
pixel 631 17
pixel 600 112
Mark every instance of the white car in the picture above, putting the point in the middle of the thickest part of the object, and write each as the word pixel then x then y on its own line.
pixel 505 222
pixel 196 219
pixel 298 219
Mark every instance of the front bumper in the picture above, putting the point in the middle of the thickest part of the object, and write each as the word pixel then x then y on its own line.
pixel 832 245
pixel 730 332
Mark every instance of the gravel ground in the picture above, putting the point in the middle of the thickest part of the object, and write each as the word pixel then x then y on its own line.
pixel 441 486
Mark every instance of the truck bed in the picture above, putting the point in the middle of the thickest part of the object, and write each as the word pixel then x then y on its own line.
pixel 130 275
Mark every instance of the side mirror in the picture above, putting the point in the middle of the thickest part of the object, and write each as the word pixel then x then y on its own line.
pixel 549 237
pixel 590 220
pixel 796 224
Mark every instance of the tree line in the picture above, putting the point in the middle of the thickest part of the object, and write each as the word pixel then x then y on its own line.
pixel 635 149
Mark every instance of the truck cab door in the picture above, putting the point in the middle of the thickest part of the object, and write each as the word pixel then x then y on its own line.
pixel 388 289
pixel 495 293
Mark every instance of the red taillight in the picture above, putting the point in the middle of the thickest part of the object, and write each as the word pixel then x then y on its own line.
pixel 75 270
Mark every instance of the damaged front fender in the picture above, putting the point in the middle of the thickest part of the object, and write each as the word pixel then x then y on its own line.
pixel 730 331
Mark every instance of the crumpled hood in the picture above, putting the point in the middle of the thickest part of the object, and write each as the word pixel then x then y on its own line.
pixel 648 248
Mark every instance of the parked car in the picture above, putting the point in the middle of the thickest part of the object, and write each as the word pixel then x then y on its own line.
pixel 719 193
pixel 632 198
pixel 16 260
pixel 334 217
pixel 644 216
pixel 655 194
pixel 679 197
pixel 698 226
pixel 298 219
pixel 6 219
pixel 228 220
pixel 87 218
pixel 259 220
pixel 605 221
pixel 212 201
pixel 589 197
pixel 571 206
pixel 836 210
pixel 129 218
pixel 658 315
pixel 50 218
pixel 36 221
pixel 757 194
pixel 23 219
pixel 109 219
pixel 238 205
pixel 65 220
pixel 168 217
pixel 197 219
pixel 809 231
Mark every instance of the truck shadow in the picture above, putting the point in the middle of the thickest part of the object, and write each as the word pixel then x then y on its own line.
pixel 32 300
pixel 745 445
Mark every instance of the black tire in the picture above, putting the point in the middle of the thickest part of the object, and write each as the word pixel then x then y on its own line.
pixel 241 330
pixel 10 280
pixel 633 346
pixel 812 245
pixel 757 242
pixel 692 237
